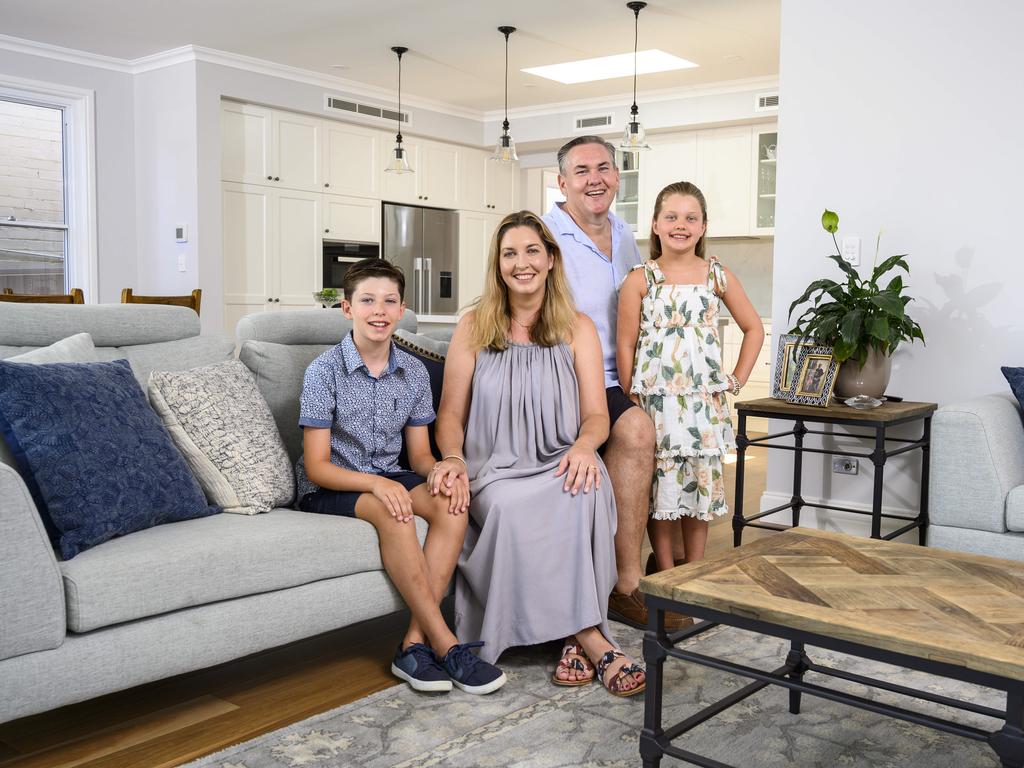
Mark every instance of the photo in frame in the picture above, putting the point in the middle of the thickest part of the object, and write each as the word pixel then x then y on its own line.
pixel 815 376
pixel 786 356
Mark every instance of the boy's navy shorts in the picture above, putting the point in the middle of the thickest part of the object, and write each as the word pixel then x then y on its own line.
pixel 343 503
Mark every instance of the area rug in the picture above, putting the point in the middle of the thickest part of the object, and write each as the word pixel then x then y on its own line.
pixel 531 723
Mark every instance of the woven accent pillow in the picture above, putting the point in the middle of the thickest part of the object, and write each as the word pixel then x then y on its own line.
pixel 226 432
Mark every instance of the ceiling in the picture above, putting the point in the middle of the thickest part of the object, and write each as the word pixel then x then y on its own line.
pixel 456 54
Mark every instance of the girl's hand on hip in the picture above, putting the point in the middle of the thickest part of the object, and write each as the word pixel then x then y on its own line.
pixel 581 468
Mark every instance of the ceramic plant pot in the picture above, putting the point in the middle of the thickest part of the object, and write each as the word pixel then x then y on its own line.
pixel 871 379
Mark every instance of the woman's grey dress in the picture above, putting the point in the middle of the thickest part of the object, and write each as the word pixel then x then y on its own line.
pixel 538 563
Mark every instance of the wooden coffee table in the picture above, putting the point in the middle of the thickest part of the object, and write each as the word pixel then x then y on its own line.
pixel 950 614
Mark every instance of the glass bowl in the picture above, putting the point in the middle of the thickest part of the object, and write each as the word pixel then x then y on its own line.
pixel 863 402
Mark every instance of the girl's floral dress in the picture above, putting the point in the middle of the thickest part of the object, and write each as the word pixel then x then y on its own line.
pixel 678 375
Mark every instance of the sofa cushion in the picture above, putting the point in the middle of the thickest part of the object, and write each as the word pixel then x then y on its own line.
pixel 216 558
pixel 176 355
pixel 110 325
pixel 74 349
pixel 1015 509
pixel 94 455
pixel 226 432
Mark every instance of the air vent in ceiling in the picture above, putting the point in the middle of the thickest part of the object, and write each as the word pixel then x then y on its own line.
pixel 592 122
pixel 766 102
pixel 367 110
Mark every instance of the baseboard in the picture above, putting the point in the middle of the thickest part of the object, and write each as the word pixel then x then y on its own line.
pixel 832 520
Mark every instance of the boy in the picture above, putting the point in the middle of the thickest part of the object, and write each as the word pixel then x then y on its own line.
pixel 358 399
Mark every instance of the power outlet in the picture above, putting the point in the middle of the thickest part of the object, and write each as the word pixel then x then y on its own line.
pixel 844 465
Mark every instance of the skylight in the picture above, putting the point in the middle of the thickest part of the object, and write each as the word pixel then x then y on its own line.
pixel 607 67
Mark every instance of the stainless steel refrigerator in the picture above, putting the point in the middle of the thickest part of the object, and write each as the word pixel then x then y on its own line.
pixel 424 242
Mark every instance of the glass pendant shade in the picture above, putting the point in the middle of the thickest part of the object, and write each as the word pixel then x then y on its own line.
pixel 505 150
pixel 634 138
pixel 399 162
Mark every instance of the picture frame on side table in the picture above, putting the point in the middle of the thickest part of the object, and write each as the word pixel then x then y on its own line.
pixel 816 370
pixel 786 356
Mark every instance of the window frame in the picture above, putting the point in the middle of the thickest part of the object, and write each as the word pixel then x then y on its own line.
pixel 79 115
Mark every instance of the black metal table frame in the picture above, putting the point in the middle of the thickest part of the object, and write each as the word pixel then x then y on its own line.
pixel 656 741
pixel 878 457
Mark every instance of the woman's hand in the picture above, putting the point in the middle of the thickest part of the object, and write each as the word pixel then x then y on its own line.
pixel 581 468
pixel 449 477
pixel 394 497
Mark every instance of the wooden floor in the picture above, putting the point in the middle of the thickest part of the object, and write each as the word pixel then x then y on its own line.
pixel 173 721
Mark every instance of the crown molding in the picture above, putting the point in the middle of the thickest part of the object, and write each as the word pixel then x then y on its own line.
pixel 625 98
pixel 59 53
pixel 187 53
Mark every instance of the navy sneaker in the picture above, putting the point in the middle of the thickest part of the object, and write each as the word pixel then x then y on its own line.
pixel 471 673
pixel 418 666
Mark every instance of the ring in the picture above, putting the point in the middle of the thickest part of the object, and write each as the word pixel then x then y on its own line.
pixel 592 466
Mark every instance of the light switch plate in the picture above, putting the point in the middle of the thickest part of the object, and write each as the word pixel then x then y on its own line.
pixel 182 264
pixel 851 251
pixel 181 233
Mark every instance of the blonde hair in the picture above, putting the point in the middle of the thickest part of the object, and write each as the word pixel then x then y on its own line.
pixel 493 317
pixel 678 188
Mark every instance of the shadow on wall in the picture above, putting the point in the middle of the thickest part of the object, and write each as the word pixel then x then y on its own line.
pixel 964 332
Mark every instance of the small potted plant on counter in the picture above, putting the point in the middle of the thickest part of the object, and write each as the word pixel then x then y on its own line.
pixel 328 297
pixel 862 320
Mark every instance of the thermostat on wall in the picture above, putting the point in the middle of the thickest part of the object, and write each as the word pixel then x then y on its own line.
pixel 181 233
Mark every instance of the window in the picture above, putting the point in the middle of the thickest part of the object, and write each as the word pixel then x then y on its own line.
pixel 33 228
pixel 47 205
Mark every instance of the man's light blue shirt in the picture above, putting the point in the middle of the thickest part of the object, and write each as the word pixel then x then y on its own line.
pixel 593 278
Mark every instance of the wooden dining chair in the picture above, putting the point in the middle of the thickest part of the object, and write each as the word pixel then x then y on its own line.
pixel 75 297
pixel 192 301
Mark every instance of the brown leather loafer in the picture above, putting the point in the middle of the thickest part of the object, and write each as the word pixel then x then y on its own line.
pixel 630 609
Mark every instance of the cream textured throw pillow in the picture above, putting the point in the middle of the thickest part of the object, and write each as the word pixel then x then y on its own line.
pixel 224 429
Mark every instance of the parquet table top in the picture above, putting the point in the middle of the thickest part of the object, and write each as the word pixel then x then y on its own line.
pixel 886 412
pixel 960 609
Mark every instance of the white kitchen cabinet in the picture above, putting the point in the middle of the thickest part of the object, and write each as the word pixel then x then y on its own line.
pixel 475 232
pixel 759 383
pixel 724 176
pixel 270 147
pixel 272 249
pixel 351 218
pixel 764 162
pixel 485 185
pixel 351 157
pixel 435 178
pixel 667 161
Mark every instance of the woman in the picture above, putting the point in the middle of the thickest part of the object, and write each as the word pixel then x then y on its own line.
pixel 524 406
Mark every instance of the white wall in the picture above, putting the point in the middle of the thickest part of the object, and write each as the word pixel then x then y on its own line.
pixel 903 116
pixel 115 160
pixel 166 164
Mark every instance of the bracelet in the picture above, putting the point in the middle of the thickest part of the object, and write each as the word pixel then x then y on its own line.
pixel 734 384
pixel 455 456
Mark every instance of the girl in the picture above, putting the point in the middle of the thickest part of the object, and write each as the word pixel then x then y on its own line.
pixel 670 361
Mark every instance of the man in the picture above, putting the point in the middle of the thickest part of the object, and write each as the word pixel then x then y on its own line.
pixel 598 249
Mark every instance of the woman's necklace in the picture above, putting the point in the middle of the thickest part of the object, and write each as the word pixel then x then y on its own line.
pixel 522 324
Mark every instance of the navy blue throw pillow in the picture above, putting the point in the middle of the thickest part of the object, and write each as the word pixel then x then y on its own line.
pixel 94 455
pixel 1015 377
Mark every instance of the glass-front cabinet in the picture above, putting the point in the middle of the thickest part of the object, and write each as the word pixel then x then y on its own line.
pixel 627 201
pixel 766 146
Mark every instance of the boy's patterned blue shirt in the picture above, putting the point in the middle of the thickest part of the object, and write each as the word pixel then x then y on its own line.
pixel 366 415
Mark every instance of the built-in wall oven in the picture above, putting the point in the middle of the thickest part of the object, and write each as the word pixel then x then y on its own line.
pixel 339 256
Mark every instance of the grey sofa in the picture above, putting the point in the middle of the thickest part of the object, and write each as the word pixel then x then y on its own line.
pixel 186 595
pixel 976 487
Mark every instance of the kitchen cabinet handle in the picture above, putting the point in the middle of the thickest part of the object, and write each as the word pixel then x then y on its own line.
pixel 277 299
pixel 270 178
pixel 277 178
pixel 327 231
pixel 269 299
pixel 327 184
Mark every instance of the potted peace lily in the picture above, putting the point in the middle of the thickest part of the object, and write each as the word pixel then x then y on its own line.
pixel 862 320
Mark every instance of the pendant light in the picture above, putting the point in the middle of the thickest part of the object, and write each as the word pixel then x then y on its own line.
pixel 399 163
pixel 505 149
pixel 635 137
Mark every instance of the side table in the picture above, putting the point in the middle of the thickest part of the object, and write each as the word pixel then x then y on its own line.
pixel 878 420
